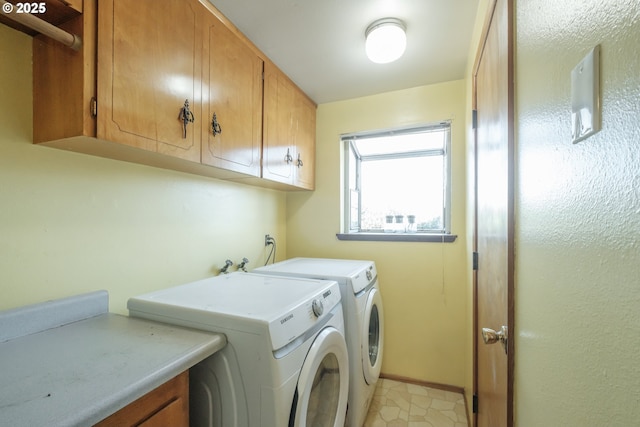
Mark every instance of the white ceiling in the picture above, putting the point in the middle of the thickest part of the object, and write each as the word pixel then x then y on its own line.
pixel 319 44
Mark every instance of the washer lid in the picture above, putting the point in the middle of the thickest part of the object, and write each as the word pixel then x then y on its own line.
pixel 341 270
pixel 248 302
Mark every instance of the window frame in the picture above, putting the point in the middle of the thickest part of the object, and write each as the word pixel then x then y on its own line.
pixel 347 142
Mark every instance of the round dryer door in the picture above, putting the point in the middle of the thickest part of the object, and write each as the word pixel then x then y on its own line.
pixel 323 385
pixel 372 337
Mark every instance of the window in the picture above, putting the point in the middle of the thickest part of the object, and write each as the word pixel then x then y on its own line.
pixel 397 183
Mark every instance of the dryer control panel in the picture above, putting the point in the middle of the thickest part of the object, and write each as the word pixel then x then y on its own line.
pixel 364 277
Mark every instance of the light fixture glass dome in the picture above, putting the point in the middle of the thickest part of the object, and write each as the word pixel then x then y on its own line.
pixel 386 40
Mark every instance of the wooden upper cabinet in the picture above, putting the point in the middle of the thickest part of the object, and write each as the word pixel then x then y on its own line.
pixel 305 154
pixel 289 131
pixel 123 93
pixel 149 67
pixel 64 81
pixel 232 91
pixel 137 66
pixel 278 126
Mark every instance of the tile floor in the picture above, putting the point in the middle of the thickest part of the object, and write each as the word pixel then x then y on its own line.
pixel 397 404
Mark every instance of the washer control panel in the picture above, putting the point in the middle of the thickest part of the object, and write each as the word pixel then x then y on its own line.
pixel 297 320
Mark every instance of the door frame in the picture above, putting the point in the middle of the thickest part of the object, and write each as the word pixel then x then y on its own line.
pixel 509 4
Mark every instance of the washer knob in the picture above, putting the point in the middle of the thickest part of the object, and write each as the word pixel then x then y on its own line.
pixel 317 307
pixel 369 275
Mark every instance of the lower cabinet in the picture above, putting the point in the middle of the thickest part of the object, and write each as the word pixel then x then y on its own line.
pixel 167 405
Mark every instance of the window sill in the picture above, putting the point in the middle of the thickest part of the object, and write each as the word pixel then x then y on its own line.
pixel 398 237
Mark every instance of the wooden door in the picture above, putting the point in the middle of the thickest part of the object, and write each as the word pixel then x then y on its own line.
pixel 279 121
pixel 233 92
pixel 148 64
pixel 494 154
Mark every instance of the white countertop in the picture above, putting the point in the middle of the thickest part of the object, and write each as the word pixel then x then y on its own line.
pixel 79 373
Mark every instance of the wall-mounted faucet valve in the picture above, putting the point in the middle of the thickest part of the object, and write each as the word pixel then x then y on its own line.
pixel 225 270
pixel 243 265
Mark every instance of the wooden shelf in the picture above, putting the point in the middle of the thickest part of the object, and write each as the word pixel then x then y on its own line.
pixel 57 12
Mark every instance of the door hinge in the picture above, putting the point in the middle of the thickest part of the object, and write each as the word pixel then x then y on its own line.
pixel 474 119
pixel 475 261
pixel 475 404
pixel 93 107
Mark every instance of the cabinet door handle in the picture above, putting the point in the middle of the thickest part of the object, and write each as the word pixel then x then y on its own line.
pixel 186 116
pixel 299 161
pixel 215 126
pixel 288 158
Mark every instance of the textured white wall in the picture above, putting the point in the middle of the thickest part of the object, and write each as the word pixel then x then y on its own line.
pixel 578 219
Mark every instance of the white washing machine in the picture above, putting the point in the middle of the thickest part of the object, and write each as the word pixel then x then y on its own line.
pixel 363 318
pixel 286 361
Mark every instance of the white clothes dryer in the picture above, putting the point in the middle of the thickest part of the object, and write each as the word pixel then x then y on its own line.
pixel 363 318
pixel 285 363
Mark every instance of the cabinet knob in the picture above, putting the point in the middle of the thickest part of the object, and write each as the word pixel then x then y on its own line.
pixel 215 126
pixel 299 161
pixel 288 158
pixel 186 116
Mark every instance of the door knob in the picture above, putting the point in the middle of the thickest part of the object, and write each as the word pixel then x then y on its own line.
pixel 489 336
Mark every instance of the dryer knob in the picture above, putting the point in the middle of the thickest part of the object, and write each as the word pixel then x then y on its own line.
pixel 369 275
pixel 317 307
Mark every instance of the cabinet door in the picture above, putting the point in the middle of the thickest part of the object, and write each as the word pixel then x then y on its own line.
pixel 149 57
pixel 232 88
pixel 167 405
pixel 279 126
pixel 305 143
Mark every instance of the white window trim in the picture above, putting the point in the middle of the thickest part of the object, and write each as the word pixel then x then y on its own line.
pixel 351 234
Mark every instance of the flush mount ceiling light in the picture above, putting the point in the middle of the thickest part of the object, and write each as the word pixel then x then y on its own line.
pixel 385 40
